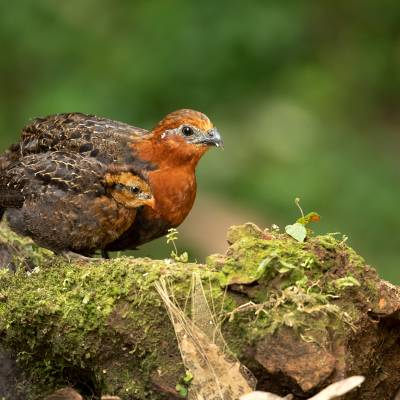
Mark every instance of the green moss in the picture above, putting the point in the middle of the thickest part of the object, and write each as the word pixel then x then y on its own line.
pixel 79 308
pixel 105 321
pixel 299 285
pixel 24 253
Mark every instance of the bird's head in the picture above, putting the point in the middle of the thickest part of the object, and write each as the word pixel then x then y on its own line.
pixel 187 131
pixel 129 189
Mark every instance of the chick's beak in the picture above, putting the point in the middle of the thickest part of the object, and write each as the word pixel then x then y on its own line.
pixel 213 138
pixel 147 199
pixel 150 201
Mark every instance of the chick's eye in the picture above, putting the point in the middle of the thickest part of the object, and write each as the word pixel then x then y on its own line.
pixel 134 189
pixel 187 131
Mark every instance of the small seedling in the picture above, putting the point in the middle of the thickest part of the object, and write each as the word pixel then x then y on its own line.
pixel 183 386
pixel 298 230
pixel 172 237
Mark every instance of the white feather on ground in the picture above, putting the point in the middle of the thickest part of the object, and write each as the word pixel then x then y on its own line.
pixel 334 390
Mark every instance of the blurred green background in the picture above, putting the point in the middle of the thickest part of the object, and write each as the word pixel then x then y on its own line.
pixel 305 94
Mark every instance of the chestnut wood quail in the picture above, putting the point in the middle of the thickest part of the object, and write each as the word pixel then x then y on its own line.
pixel 166 157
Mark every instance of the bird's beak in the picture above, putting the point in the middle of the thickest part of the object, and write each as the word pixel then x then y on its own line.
pixel 212 138
pixel 148 199
pixel 151 203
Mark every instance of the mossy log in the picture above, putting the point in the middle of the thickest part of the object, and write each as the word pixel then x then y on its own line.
pixel 298 315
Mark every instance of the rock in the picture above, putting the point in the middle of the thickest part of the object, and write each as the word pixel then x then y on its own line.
pixel 305 363
pixel 12 382
pixel 64 394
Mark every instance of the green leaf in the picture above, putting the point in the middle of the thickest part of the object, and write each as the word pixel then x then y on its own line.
pixel 310 217
pixel 296 231
pixel 182 390
pixel 188 377
pixel 347 281
pixel 184 257
pixel 262 267
pixel 283 270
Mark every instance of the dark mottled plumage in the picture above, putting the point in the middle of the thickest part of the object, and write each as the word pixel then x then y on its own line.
pixel 34 175
pixel 75 132
pixel 69 202
pixel 166 157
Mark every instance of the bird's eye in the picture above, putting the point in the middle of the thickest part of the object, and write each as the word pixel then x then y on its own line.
pixel 187 131
pixel 134 189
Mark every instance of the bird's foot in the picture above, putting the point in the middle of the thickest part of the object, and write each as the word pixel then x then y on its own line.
pixel 105 254
pixel 75 257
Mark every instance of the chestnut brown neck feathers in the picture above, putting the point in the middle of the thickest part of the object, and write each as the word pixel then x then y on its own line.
pixel 174 157
pixel 173 182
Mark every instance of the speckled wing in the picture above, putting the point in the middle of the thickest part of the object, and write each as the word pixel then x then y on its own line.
pixel 98 137
pixel 47 174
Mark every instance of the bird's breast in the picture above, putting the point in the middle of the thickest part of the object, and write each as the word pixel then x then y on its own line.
pixel 174 191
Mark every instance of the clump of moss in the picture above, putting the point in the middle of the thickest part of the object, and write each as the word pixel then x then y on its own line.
pixel 65 317
pixel 302 285
pixel 17 251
